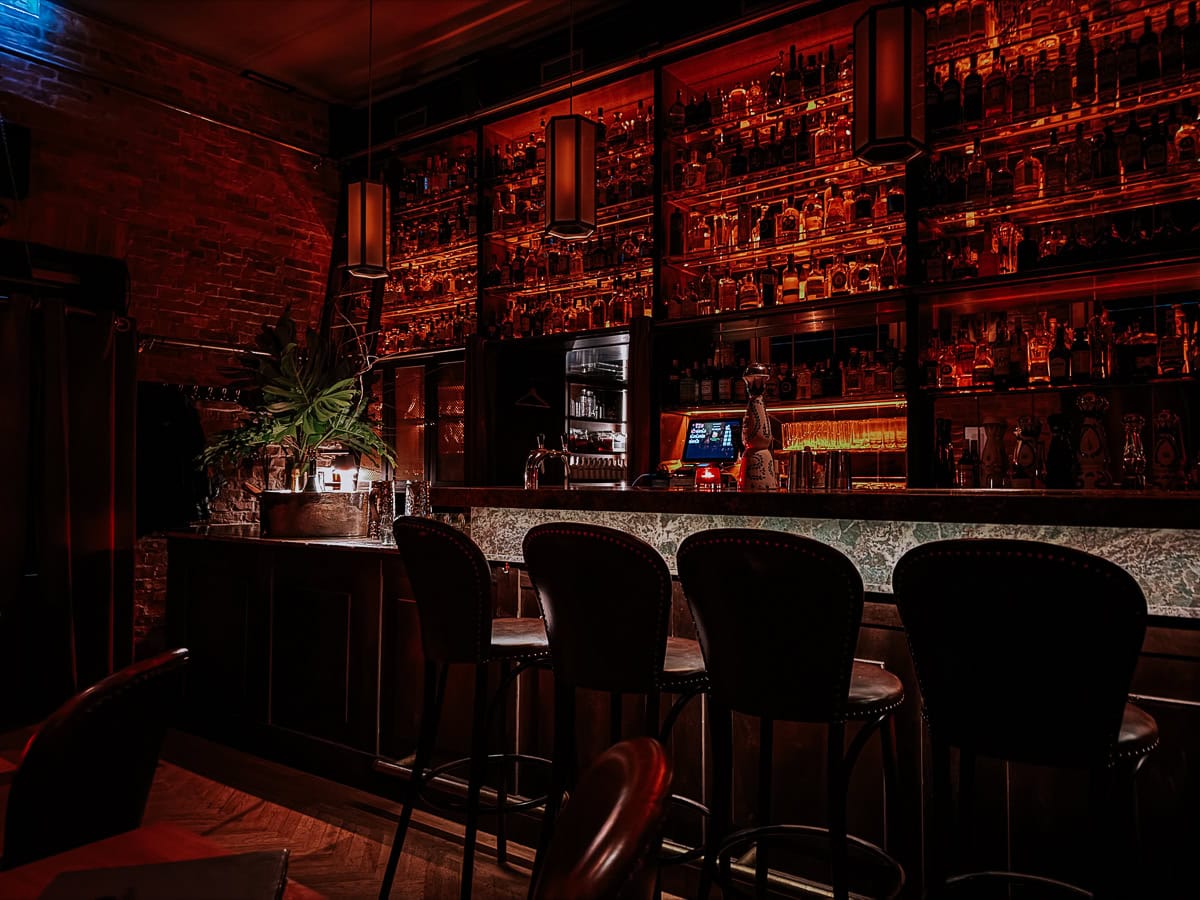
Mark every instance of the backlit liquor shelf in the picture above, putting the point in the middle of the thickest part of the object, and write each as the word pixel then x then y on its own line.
pixel 447 201
pixel 462 250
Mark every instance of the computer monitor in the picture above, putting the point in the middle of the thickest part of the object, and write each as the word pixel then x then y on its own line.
pixel 713 441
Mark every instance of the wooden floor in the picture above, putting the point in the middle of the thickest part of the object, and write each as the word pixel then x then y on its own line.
pixel 338 837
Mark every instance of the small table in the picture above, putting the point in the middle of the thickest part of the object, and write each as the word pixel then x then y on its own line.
pixel 158 843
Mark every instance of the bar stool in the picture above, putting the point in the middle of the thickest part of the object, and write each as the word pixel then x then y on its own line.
pixel 606 599
pixel 1033 665
pixel 452 585
pixel 778 617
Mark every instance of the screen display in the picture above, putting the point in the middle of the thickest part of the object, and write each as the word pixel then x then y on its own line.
pixel 717 440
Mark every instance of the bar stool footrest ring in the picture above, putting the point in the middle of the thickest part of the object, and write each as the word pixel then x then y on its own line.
pixel 693 853
pixel 1020 877
pixel 444 804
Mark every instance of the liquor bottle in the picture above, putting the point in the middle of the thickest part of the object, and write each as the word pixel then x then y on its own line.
pixel 736 102
pixel 788 226
pixel 1187 138
pixel 864 275
pixel 1020 89
pixel 811 77
pixel 767 225
pixel 1156 144
pixel 933 99
pixel 768 282
pixel 1062 81
pixel 995 91
pixel 1132 148
pixel 1027 176
pixel 950 111
pixel 793 80
pixel 707 384
pixel 1127 65
pixel 1003 181
pixel 979 18
pixel 714 169
pixel 972 95
pixel 803 142
pixel 1043 85
pixel 839 276
pixel 946 32
pixel 983 365
pixel 1107 69
pixel 852 375
pixel 1085 65
pixel 966 473
pixel 813 215
pixel 814 282
pixel 675 233
pixel 774 91
pixel 787 384
pixel 738 162
pixel 1172 359
pixel 1107 159
pixel 863 206
pixel 1079 159
pixel 790 281
pixel 771 388
pixel 727 292
pixel 1148 67
pixel 962 20
pixel 1170 44
pixel 887 268
pixel 1081 358
pixel 757 158
pixel 1191 40
pixel 943 468
pixel 1038 353
pixel 824 143
pixel 1060 358
pixel 804 382
pixel 749 296
pixel 835 208
pixel 1001 358
pixel 676 113
pixel 1054 167
pixel 977 175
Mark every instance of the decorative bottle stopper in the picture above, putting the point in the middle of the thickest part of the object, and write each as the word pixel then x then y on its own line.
pixel 758 463
pixel 1092 452
pixel 1027 456
pixel 1133 456
pixel 1168 462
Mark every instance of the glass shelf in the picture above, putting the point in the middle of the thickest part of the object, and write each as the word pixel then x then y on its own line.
pixel 456 251
pixel 832 404
pixel 645 268
pixel 611 216
pixel 730 125
pixel 407 309
pixel 849 240
pixel 988 390
pixel 783 179
pixel 443 202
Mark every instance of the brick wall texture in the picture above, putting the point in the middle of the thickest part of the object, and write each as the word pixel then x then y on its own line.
pixel 220 228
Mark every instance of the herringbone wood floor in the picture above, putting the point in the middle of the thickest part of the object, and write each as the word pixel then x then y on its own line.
pixel 338 837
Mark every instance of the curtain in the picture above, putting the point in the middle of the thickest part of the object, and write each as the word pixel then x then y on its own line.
pixel 67 400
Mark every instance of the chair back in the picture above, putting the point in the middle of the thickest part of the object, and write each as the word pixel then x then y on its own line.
pixel 1023 651
pixel 452 584
pixel 603 842
pixel 777 617
pixel 606 599
pixel 86 773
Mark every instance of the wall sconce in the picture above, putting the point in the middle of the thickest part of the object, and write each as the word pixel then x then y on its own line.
pixel 570 177
pixel 889 83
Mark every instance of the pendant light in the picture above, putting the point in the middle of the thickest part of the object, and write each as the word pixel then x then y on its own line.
pixel 366 201
pixel 571 166
pixel 889 83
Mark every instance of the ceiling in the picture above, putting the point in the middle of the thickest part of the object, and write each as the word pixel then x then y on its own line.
pixel 320 46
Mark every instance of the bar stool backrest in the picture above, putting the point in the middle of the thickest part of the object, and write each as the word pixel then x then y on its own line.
pixel 452 584
pixel 1023 651
pixel 606 599
pixel 777 617
pixel 86 773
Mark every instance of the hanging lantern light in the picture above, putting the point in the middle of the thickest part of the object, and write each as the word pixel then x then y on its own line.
pixel 889 83
pixel 366 209
pixel 570 177
pixel 366 201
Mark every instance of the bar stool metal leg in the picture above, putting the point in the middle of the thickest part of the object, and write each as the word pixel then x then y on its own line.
pixel 478 768
pixel 766 759
pixel 720 822
pixel 431 710
pixel 836 786
pixel 562 769
pixel 502 788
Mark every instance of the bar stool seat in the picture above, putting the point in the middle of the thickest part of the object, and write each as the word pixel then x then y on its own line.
pixel 519 638
pixel 874 691
pixel 1138 735
pixel 683 665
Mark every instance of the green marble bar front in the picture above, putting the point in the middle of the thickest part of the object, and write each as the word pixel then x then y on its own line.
pixel 1165 561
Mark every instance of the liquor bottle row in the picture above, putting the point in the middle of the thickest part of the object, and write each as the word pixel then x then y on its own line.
pixel 524 205
pixel 549 261
pixel 712 163
pixel 786 83
pixel 718 380
pixel 1083 162
pixel 446 329
pixel 1010 350
pixel 611 305
pixel 771 285
pixel 420 284
pixel 438 174
pixel 1075 456
pixel 428 233
pixel 824 211
pixel 1006 247
pixel 1076 77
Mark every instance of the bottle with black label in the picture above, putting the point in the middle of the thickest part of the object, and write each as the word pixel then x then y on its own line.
pixel 1060 358
pixel 787 384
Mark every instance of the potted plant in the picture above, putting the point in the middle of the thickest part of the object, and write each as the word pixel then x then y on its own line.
pixel 303 398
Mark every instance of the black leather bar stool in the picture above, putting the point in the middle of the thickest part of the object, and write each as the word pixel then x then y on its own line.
pixel 1024 652
pixel 778 617
pixel 606 599
pixel 452 585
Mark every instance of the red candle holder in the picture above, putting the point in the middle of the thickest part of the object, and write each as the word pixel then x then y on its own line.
pixel 708 478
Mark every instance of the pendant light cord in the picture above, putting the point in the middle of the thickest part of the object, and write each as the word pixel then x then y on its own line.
pixel 370 78
pixel 571 57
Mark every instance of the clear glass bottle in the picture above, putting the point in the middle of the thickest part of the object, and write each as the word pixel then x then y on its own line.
pixel 839 276
pixel 749 296
pixel 1028 176
pixel 790 281
pixel 1039 353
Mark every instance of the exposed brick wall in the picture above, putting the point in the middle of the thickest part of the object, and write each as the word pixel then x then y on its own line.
pixel 220 229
